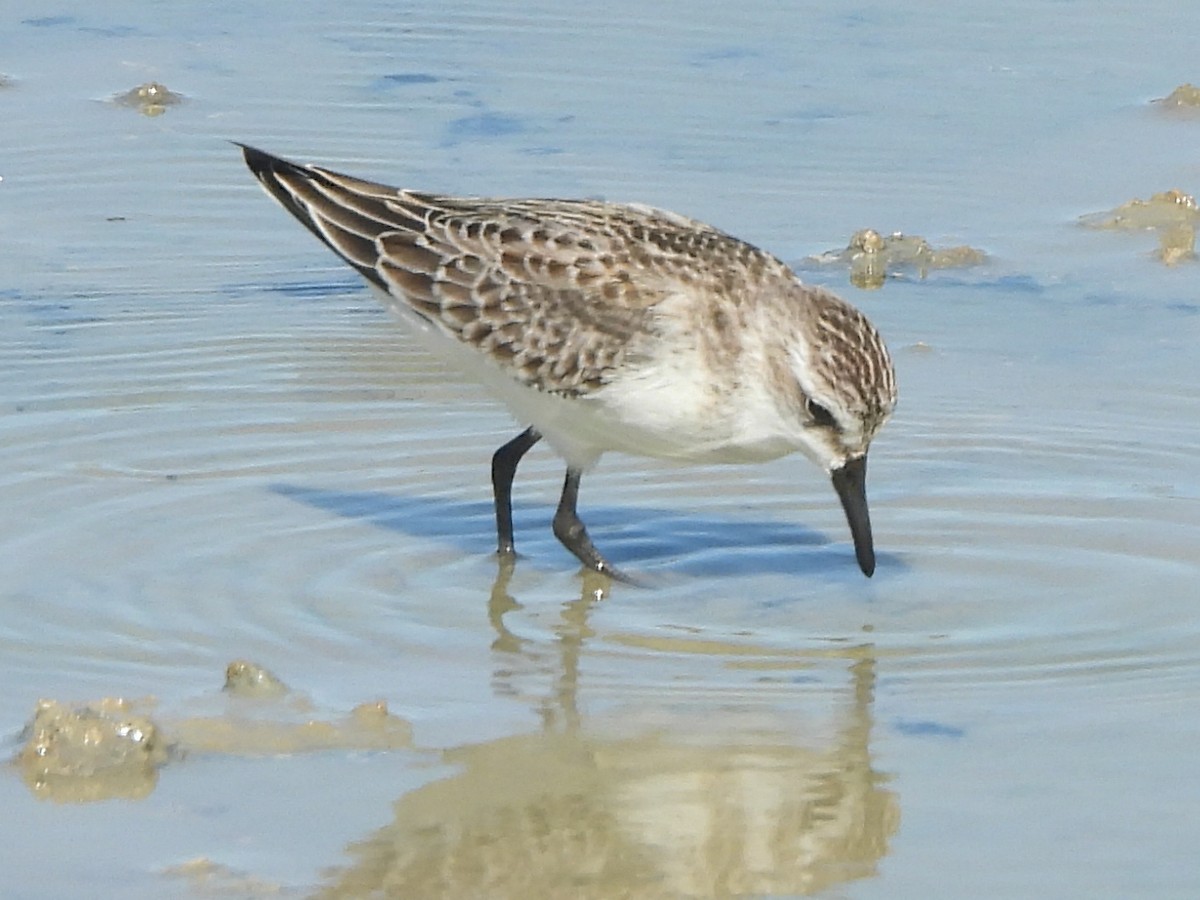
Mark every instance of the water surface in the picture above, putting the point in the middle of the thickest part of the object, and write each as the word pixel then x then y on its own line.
pixel 216 446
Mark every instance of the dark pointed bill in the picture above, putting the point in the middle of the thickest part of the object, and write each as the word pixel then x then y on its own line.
pixel 850 482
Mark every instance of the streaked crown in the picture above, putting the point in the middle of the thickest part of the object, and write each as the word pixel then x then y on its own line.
pixel 845 372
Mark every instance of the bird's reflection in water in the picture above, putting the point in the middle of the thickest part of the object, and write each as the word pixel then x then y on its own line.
pixel 714 805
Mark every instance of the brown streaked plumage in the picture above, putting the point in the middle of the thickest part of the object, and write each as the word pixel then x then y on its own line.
pixel 613 327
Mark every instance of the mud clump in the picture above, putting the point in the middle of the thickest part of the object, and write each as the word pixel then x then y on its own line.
pixel 1185 98
pixel 247 679
pixel 872 258
pixel 108 749
pixel 1172 215
pixel 93 751
pixel 150 99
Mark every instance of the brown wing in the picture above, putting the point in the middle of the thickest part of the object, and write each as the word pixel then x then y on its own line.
pixel 553 290
pixel 537 296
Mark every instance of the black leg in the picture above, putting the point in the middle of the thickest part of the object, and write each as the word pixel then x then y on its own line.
pixel 504 467
pixel 572 533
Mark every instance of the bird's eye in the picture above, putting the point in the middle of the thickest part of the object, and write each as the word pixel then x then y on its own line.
pixel 820 414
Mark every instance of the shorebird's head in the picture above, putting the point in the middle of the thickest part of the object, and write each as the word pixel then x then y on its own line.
pixel 847 391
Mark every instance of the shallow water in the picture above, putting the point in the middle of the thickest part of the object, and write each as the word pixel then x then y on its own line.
pixel 216 446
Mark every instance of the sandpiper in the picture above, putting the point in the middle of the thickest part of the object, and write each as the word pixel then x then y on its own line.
pixel 606 326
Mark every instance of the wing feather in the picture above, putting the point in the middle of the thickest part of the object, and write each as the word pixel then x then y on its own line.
pixel 553 291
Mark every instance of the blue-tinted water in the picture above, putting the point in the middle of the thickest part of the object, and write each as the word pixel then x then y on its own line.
pixel 214 445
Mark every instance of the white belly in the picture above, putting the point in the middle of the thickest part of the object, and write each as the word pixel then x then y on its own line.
pixel 665 410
